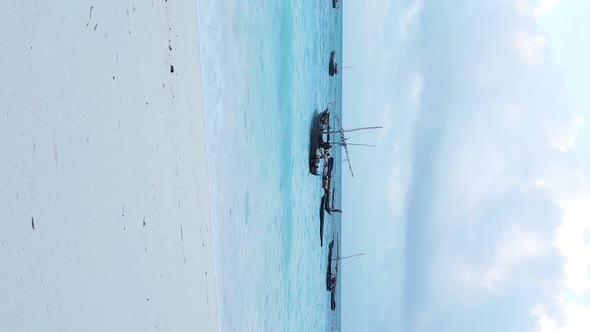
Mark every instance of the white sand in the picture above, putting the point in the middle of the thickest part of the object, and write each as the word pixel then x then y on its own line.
pixel 98 136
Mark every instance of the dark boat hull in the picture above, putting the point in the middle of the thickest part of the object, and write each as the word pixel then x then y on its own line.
pixel 334 3
pixel 315 131
pixel 332 65
pixel 316 142
pixel 327 203
pixel 322 217
pixel 329 270
pixel 333 300
pixel 327 177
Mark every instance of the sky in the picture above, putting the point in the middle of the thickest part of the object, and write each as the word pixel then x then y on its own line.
pixel 474 209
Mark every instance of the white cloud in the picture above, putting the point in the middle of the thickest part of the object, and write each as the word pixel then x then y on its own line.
pixel 385 118
pixel 377 14
pixel 416 85
pixel 545 6
pixel 396 192
pixel 534 8
pixel 377 59
pixel 517 248
pixel 576 319
pixel 573 246
pixel 568 133
pixel 510 115
pixel 408 17
pixel 531 46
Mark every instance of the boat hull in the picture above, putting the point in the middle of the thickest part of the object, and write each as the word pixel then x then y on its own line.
pixel 316 142
pixel 332 65
pixel 333 299
pixel 329 270
pixel 322 218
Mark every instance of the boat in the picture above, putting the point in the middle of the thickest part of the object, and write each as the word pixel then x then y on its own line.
pixel 322 217
pixel 318 147
pixel 333 300
pixel 333 285
pixel 333 196
pixel 327 202
pixel 321 142
pixel 327 173
pixel 329 271
pixel 330 207
pixel 333 66
pixel 334 3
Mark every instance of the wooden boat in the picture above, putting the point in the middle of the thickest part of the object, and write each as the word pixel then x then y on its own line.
pixel 327 174
pixel 322 218
pixel 329 271
pixel 333 300
pixel 317 146
pixel 333 286
pixel 333 66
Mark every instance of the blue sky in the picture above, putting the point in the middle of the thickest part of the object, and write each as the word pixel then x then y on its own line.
pixel 474 210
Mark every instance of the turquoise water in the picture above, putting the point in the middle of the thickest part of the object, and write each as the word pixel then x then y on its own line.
pixel 265 73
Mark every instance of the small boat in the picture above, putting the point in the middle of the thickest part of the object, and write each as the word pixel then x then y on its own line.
pixel 334 3
pixel 329 271
pixel 322 217
pixel 333 284
pixel 330 207
pixel 333 67
pixel 335 275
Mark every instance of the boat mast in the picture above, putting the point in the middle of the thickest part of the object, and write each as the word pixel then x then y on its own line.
pixel 350 130
pixel 343 140
pixel 339 124
pixel 345 257
pixel 357 144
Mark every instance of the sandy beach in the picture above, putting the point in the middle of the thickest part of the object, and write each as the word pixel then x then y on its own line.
pixel 104 213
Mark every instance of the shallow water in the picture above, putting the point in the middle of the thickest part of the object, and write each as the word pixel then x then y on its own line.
pixel 265 73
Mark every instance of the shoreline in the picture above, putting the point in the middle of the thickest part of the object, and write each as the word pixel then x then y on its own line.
pixel 105 222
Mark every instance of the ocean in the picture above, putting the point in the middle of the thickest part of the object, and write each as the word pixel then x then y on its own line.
pixel 265 74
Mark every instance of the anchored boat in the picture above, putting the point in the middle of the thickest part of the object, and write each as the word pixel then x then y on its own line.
pixel 319 147
pixel 329 271
pixel 322 218
pixel 333 66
